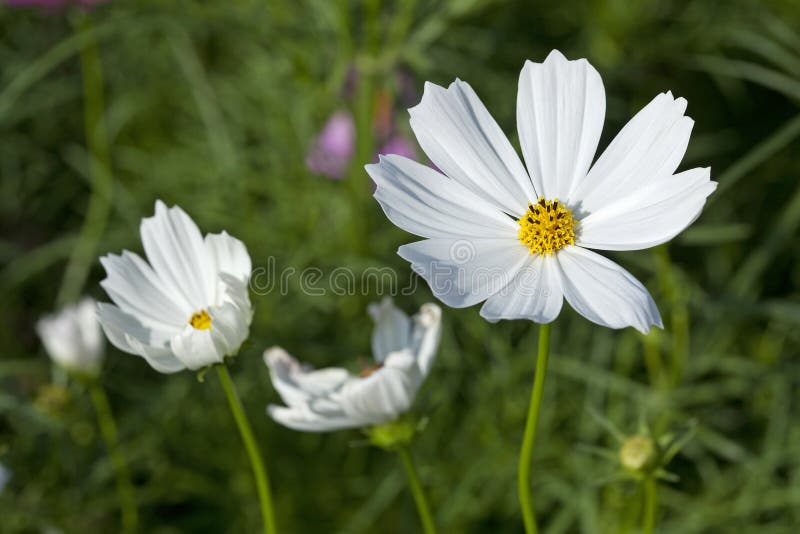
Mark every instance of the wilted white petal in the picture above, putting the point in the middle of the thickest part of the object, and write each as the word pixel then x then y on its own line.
pixel 305 420
pixel 604 292
pixel 392 329
pixel 386 393
pixel 298 385
pixel 426 336
pixel 460 137
pixel 534 294
pixel 561 106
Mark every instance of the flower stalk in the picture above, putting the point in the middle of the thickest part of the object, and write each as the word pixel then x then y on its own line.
pixel 108 429
pixel 246 431
pixel 526 454
pixel 650 505
pixel 416 489
pixel 100 177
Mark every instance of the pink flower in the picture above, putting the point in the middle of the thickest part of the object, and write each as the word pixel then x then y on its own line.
pixel 400 145
pixel 334 146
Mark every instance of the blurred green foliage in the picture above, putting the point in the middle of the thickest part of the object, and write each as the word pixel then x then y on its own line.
pixel 212 105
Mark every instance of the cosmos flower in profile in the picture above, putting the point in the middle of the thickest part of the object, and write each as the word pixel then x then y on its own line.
pixel 73 339
pixel 332 398
pixel 189 306
pixel 520 239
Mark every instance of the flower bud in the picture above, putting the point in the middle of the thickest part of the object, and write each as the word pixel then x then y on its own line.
pixel 394 434
pixel 639 454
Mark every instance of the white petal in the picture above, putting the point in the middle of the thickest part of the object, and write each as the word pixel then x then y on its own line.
pixel 386 393
pixel 137 290
pixel 129 335
pixel 230 326
pixel 281 368
pixel 178 254
pixel 649 147
pixel 61 340
pixel 426 336
pixel 91 332
pixel 460 137
pixel 197 348
pixel 561 106
pixel 534 294
pixel 229 255
pixel 649 216
pixel 296 384
pixel 426 203
pixel 604 292
pixel 305 420
pixel 73 338
pixel 463 272
pixel 392 330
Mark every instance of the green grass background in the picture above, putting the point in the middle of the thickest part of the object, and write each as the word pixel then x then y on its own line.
pixel 212 106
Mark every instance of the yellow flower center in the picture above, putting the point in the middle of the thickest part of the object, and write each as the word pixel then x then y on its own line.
pixel 546 227
pixel 201 320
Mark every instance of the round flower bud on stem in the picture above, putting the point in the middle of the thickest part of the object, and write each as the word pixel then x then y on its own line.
pixel 639 454
pixel 394 434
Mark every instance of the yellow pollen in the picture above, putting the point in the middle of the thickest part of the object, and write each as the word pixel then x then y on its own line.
pixel 201 320
pixel 366 368
pixel 546 227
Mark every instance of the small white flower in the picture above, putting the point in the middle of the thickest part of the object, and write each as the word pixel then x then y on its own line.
pixel 519 239
pixel 189 307
pixel 332 398
pixel 72 337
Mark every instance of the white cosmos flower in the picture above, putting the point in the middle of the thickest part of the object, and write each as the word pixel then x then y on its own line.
pixel 332 398
pixel 72 337
pixel 189 307
pixel 487 219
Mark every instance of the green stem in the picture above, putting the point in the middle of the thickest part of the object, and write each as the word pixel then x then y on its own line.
pixel 526 454
pixel 416 488
pixel 679 315
pixel 650 505
pixel 94 224
pixel 108 429
pixel 358 179
pixel 652 358
pixel 260 472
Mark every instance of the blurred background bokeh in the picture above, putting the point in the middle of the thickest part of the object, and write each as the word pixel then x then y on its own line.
pixel 257 117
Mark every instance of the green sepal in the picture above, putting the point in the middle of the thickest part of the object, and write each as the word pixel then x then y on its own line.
pixel 395 434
